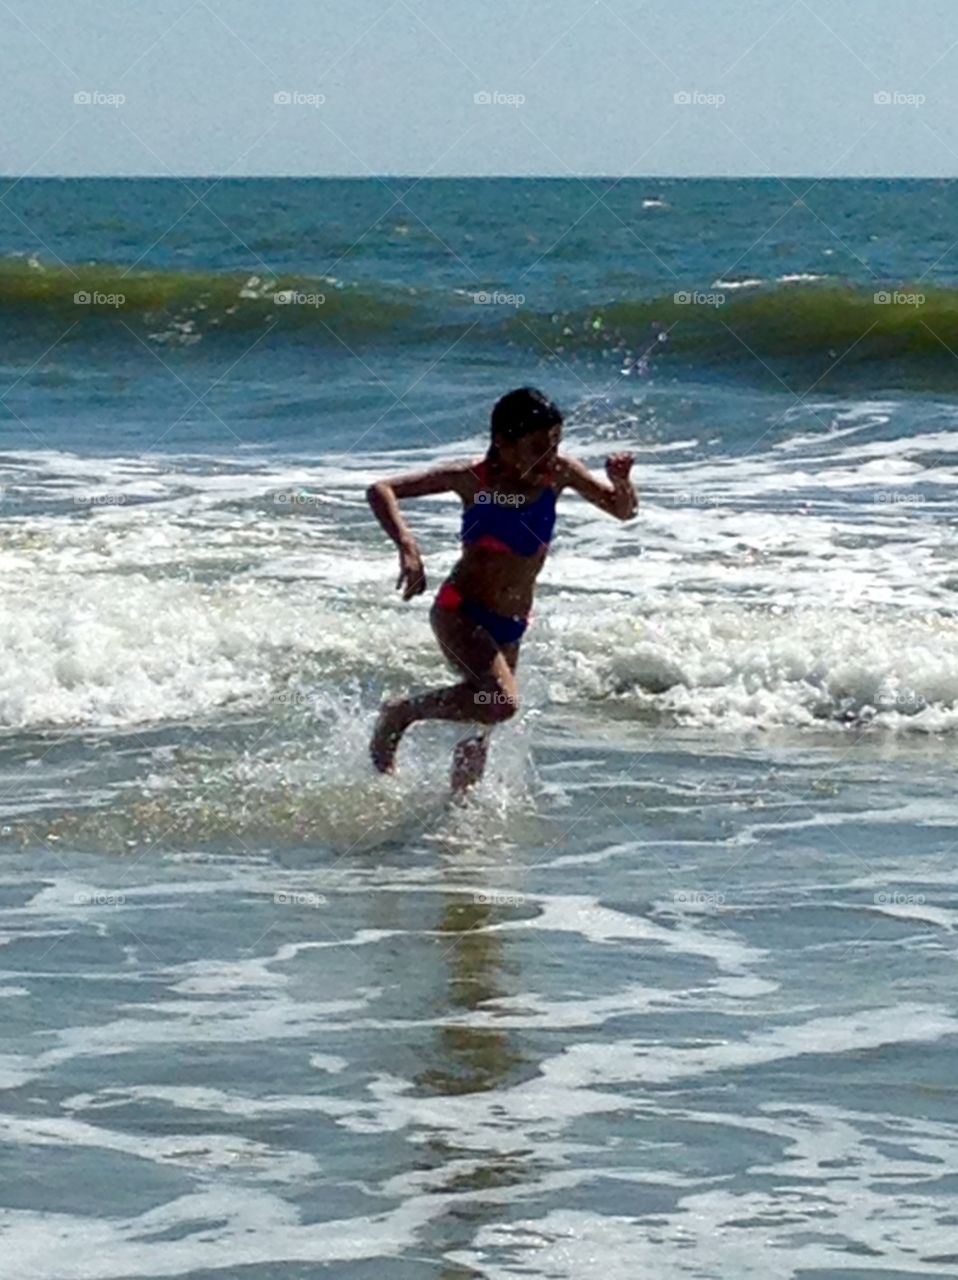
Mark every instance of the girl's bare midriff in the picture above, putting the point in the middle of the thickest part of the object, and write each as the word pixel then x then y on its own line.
pixel 498 580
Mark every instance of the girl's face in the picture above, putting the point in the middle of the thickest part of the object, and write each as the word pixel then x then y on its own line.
pixel 531 457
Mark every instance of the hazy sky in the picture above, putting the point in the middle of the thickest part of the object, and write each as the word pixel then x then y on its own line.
pixel 775 87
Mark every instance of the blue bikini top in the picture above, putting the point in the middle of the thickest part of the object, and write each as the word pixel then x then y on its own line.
pixel 503 522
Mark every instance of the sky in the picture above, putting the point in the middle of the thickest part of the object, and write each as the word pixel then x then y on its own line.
pixel 358 87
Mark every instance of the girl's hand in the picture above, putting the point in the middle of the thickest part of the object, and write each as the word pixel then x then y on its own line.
pixel 412 575
pixel 617 468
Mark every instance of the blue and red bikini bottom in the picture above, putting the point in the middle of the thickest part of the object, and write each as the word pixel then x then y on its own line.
pixel 502 628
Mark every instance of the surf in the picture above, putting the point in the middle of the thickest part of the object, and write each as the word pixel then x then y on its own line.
pixel 796 318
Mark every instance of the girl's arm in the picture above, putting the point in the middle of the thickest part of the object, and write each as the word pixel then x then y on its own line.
pixel 618 497
pixel 384 497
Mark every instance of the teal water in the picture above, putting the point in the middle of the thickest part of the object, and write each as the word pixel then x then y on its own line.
pixel 676 992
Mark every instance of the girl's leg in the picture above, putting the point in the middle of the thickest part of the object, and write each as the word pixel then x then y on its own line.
pixel 487 695
pixel 469 757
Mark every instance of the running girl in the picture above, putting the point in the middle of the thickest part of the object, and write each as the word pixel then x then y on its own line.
pixel 483 608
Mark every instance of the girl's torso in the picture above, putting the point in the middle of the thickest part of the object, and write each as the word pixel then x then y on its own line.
pixel 505 540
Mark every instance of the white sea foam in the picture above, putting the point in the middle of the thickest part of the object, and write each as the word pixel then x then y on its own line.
pixel 98 655
pixel 849 1189
pixel 662 1064
pixel 725 665
pixel 248 1226
pixel 198 1152
pixel 205 595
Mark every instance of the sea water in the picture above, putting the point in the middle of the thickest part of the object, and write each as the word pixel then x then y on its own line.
pixel 675 992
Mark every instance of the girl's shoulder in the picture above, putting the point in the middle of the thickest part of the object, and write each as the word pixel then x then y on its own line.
pixel 560 474
pixel 468 478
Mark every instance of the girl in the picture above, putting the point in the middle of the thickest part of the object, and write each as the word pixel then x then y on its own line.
pixel 483 608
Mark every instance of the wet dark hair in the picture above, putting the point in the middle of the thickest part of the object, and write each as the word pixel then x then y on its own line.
pixel 521 412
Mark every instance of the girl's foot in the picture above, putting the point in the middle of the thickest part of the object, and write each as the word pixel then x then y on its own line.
pixel 390 727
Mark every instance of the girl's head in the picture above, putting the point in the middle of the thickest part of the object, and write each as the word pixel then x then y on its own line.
pixel 526 430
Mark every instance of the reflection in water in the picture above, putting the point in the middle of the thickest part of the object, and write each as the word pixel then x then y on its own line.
pixel 470 1059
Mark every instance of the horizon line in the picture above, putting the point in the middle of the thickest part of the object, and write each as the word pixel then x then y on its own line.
pixel 475 177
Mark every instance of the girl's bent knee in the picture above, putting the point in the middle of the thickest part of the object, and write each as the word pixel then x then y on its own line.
pixel 493 706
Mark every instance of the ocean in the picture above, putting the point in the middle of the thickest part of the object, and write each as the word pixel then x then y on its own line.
pixel 675 992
